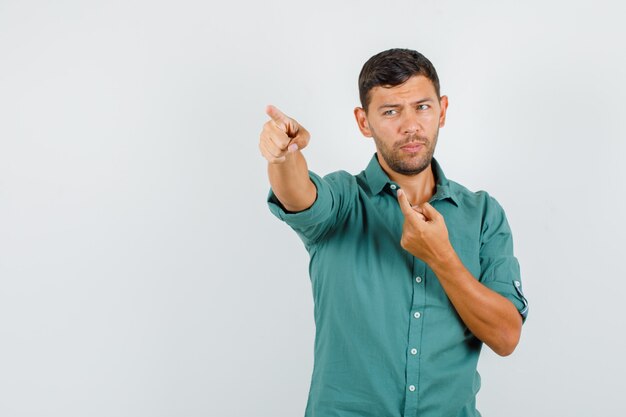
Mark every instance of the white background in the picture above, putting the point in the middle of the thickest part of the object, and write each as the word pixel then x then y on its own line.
pixel 141 273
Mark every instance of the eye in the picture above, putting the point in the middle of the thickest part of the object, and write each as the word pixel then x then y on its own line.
pixel 389 112
pixel 423 107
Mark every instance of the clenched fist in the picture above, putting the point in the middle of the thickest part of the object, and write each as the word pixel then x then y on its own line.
pixel 280 136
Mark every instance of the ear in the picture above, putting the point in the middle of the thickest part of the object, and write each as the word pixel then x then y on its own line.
pixel 361 121
pixel 443 103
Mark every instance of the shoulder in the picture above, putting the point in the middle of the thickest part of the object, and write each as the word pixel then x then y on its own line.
pixel 479 200
pixel 341 181
pixel 340 176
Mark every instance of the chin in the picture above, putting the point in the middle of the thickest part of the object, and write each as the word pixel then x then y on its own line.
pixel 412 169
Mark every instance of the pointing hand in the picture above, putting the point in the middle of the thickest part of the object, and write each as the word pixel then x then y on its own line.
pixel 280 136
pixel 424 233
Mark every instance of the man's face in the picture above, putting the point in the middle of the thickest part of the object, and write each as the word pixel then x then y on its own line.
pixel 404 121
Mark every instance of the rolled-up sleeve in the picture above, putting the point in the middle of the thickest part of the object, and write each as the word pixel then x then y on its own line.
pixel 500 270
pixel 313 223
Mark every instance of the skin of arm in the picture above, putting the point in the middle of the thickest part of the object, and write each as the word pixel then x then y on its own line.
pixel 281 142
pixel 490 317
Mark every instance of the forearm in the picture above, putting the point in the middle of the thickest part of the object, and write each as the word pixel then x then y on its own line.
pixel 291 184
pixel 489 316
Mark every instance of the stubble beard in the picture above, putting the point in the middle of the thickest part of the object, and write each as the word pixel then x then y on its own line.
pixel 407 164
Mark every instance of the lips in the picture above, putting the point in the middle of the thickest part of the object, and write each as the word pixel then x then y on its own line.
pixel 412 147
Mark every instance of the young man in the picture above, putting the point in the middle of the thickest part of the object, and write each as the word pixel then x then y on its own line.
pixel 411 272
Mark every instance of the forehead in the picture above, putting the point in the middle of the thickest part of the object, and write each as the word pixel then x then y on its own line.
pixel 415 88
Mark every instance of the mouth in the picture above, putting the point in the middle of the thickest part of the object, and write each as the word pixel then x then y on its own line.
pixel 412 147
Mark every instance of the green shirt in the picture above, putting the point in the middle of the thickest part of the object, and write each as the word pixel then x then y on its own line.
pixel 388 341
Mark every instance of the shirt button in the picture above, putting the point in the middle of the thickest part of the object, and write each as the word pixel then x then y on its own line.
pixel 393 186
pixel 417 314
pixel 418 279
pixel 413 351
pixel 411 388
pixel 517 283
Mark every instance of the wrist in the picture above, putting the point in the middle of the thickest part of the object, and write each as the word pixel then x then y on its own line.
pixel 444 259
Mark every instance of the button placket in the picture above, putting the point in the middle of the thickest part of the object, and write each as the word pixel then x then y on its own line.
pixel 415 336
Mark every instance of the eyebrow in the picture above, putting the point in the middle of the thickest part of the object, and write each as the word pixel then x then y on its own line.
pixel 424 100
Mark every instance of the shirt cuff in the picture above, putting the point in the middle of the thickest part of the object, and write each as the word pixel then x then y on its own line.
pixel 317 213
pixel 511 290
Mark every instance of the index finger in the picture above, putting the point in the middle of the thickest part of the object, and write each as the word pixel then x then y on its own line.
pixel 277 116
pixel 405 206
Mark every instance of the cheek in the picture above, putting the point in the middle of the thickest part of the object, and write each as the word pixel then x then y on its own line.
pixel 429 118
pixel 379 127
pixel 390 126
pixel 430 122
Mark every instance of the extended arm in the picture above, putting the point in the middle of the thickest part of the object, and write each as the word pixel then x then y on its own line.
pixel 489 316
pixel 281 142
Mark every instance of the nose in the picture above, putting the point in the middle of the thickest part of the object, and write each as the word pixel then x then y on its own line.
pixel 410 123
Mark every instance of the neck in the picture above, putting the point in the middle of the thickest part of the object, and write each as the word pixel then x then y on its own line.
pixel 418 188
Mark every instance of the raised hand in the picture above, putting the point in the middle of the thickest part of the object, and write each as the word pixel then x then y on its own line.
pixel 280 136
pixel 424 233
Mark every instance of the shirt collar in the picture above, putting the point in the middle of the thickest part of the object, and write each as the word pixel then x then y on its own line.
pixel 378 180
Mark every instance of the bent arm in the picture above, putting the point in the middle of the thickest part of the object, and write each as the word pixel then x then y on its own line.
pixel 490 317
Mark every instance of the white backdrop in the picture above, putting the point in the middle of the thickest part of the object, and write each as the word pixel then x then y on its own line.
pixel 141 273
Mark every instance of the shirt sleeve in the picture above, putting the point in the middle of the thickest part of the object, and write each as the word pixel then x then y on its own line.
pixel 314 223
pixel 500 270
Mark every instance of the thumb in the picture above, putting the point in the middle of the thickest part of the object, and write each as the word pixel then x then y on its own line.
pixel 300 141
pixel 285 123
pixel 429 211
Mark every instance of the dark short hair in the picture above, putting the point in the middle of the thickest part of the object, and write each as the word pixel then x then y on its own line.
pixel 393 67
